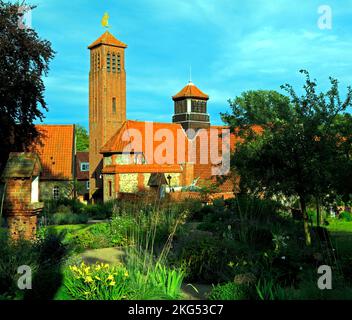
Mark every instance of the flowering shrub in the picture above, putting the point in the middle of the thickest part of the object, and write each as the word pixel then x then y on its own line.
pixel 98 282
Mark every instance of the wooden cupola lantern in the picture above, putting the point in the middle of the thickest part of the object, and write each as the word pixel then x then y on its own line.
pixel 21 194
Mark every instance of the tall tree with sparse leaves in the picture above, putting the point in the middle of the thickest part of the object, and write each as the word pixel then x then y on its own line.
pixel 24 60
pixel 301 148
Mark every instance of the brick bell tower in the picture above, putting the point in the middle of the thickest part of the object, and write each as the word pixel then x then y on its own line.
pixel 107 101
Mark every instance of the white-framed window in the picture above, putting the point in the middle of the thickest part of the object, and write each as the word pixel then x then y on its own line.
pixel 87 185
pixel 84 166
pixel 56 193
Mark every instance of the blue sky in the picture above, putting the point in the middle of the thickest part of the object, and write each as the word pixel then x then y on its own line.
pixel 231 45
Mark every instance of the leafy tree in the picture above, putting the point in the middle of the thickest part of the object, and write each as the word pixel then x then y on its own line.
pixel 291 146
pixel 24 59
pixel 82 142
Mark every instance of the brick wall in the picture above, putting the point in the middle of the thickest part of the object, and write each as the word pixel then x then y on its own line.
pixel 20 213
pixel 18 194
pixel 104 85
pixel 22 227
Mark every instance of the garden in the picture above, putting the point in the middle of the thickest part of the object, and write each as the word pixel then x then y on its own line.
pixel 244 248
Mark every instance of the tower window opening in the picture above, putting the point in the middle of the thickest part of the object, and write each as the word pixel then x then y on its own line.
pixel 198 107
pixel 108 62
pixel 110 188
pixel 114 105
pixel 118 62
pixel 95 111
pixel 98 61
pixel 181 106
pixel 113 62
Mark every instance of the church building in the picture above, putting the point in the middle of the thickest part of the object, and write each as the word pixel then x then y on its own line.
pixel 128 157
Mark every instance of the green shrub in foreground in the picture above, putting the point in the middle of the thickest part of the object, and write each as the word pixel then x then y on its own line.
pixel 229 291
pixel 106 282
pixel 97 282
pixel 43 256
pixel 345 216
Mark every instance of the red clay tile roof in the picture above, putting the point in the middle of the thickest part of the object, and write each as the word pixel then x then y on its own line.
pixel 190 91
pixel 131 129
pixel 55 147
pixel 108 39
pixel 143 168
pixel 82 157
pixel 126 134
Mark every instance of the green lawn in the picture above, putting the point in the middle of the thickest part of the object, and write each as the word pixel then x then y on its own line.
pixel 341 236
pixel 70 230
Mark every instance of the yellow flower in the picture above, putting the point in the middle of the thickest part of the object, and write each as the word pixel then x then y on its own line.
pixel 96 277
pixel 110 277
pixel 106 266
pixel 112 283
pixel 74 268
pixel 86 270
pixel 126 274
pixel 88 279
pixel 98 267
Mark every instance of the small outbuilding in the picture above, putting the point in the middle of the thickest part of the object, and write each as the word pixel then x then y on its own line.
pixel 21 194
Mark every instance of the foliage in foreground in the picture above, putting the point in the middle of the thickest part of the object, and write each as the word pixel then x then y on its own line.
pixel 24 60
pixel 296 146
pixel 44 257
pixel 118 282
pixel 229 291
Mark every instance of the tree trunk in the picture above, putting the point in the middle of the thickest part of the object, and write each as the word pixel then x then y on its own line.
pixel 305 221
pixel 318 211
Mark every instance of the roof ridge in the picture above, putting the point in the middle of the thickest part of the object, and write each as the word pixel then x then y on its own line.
pixel 108 39
pixel 190 91
pixel 55 125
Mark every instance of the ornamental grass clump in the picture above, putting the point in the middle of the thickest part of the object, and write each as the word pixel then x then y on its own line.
pixel 97 282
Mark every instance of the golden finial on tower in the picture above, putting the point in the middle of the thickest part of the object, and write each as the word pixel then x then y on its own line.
pixel 105 20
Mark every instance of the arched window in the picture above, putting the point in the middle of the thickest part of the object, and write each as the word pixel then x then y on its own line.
pixel 113 62
pixel 108 62
pixel 118 63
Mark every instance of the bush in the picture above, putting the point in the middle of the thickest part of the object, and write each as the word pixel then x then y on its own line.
pixel 204 257
pixel 44 257
pixel 101 235
pixel 63 209
pixel 105 282
pixel 345 216
pixel 268 289
pixel 99 211
pixel 98 282
pixel 229 291
pixel 67 218
pixel 63 205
